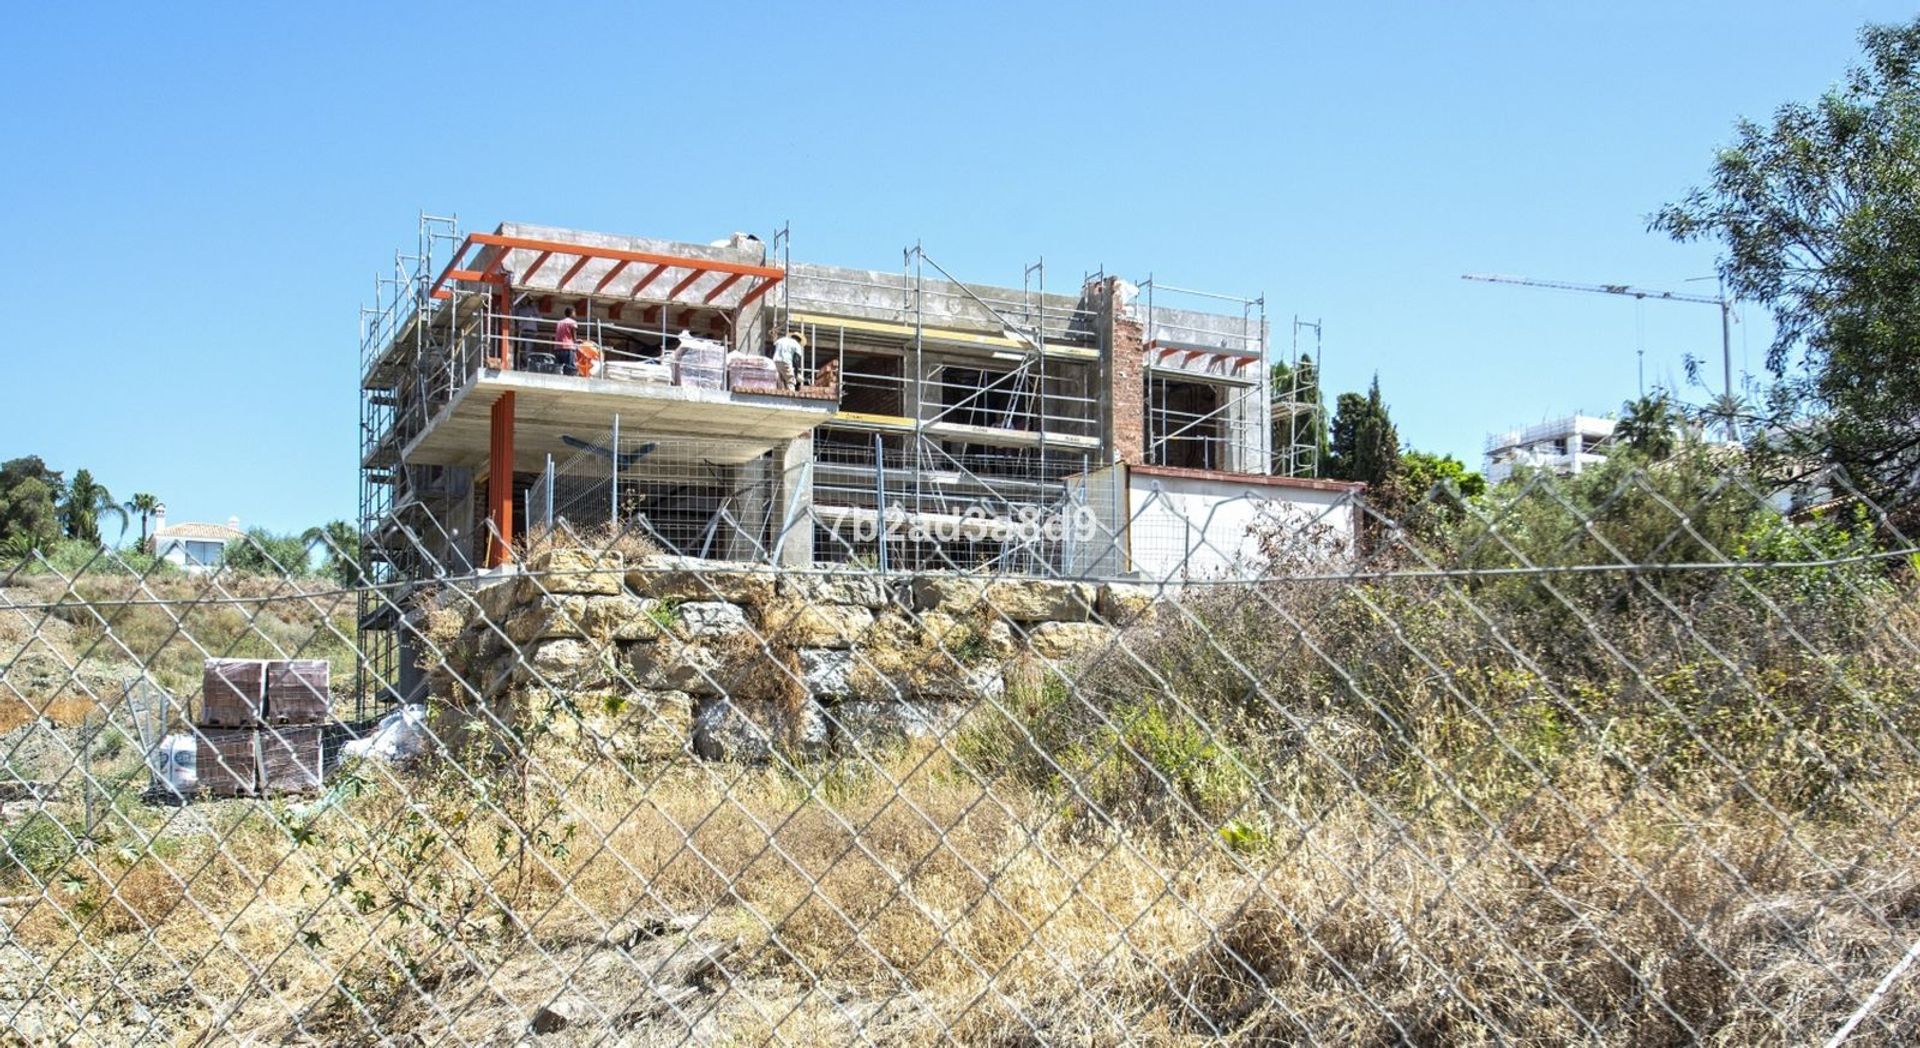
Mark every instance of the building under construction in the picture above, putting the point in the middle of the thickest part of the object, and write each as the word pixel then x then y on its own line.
pixel 532 379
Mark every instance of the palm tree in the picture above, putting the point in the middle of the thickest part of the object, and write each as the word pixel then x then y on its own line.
pixel 143 506
pixel 85 502
pixel 340 542
pixel 1649 425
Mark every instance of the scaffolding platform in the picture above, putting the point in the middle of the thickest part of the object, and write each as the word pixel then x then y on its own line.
pixel 549 407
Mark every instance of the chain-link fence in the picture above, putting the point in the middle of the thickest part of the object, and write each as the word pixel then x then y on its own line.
pixel 1627 758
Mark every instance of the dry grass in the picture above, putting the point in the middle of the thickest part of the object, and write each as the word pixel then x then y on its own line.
pixel 65 710
pixel 1392 824
pixel 632 543
pixel 922 902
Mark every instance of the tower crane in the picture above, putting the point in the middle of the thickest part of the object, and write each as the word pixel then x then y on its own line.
pixel 1721 301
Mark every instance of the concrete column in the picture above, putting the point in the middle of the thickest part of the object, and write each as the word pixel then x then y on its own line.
pixel 500 483
pixel 747 533
pixel 793 523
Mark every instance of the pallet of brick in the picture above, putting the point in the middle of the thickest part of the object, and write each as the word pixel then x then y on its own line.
pixel 298 692
pixel 291 760
pixel 232 692
pixel 226 763
pixel 748 372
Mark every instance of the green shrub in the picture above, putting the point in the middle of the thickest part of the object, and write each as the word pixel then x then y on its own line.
pixel 1478 693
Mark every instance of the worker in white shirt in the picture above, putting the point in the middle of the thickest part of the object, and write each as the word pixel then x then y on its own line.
pixel 787 350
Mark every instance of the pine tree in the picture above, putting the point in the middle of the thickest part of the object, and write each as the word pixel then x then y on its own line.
pixel 1365 446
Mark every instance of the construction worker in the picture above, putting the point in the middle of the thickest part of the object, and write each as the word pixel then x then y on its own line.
pixel 526 329
pixel 564 335
pixel 787 351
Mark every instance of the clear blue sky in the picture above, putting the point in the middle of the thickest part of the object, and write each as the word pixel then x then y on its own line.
pixel 197 200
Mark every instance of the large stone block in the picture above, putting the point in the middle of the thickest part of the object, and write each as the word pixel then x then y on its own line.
pixel 1064 640
pixel 494 601
pixel 867 726
pixel 636 724
pixel 817 625
pixel 1121 603
pixel 709 618
pixel 547 617
pixel 827 673
pixel 567 663
pixel 623 618
pixel 1017 600
pixel 739 730
pixel 615 721
pixel 867 591
pixel 671 665
pixel 967 639
pixel 572 570
pixel 601 619
pixel 693 579
pixel 943 681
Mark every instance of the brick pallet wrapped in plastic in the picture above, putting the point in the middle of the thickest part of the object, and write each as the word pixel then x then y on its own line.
pixel 750 372
pixel 699 364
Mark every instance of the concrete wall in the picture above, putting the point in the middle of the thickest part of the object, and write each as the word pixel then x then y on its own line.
pixel 1185 527
pixel 1164 525
pixel 889 297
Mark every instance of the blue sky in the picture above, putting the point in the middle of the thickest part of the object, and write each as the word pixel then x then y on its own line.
pixel 198 199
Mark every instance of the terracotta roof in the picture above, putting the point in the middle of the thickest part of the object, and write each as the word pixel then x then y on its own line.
pixel 190 530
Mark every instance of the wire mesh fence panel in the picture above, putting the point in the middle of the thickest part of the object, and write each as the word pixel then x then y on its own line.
pixel 1625 758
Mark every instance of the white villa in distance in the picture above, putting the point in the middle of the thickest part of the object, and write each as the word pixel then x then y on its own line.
pixel 193 547
pixel 1564 445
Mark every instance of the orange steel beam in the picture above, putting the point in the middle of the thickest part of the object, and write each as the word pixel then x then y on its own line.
pixel 648 316
pixel 621 259
pixel 720 288
pixel 573 271
pixel 500 483
pixel 758 289
pixel 652 257
pixel 684 284
pixel 453 267
pixel 541 260
pixel 652 275
pixel 608 279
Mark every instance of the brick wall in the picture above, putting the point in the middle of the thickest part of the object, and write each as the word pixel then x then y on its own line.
pixel 1125 369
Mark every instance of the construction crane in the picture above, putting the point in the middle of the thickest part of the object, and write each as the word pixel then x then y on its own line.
pixel 1720 301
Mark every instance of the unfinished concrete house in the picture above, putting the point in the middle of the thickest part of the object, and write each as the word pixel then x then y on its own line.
pixel 534 380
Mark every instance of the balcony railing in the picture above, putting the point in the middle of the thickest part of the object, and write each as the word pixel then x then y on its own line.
pixel 472 340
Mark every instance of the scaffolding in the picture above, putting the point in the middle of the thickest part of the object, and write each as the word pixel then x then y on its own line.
pixel 939 424
pixel 957 402
pixel 1206 381
pixel 1298 409
pixel 398 502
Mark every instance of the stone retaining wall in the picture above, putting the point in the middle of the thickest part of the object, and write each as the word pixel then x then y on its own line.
pixel 673 656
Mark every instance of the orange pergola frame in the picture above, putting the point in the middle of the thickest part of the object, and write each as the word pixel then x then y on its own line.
pixel 575 257
pixel 763 277
pixel 1188 353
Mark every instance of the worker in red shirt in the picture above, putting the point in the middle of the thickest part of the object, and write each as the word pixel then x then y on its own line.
pixel 564 335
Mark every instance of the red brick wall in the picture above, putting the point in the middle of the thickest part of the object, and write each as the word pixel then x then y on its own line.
pixel 1126 384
